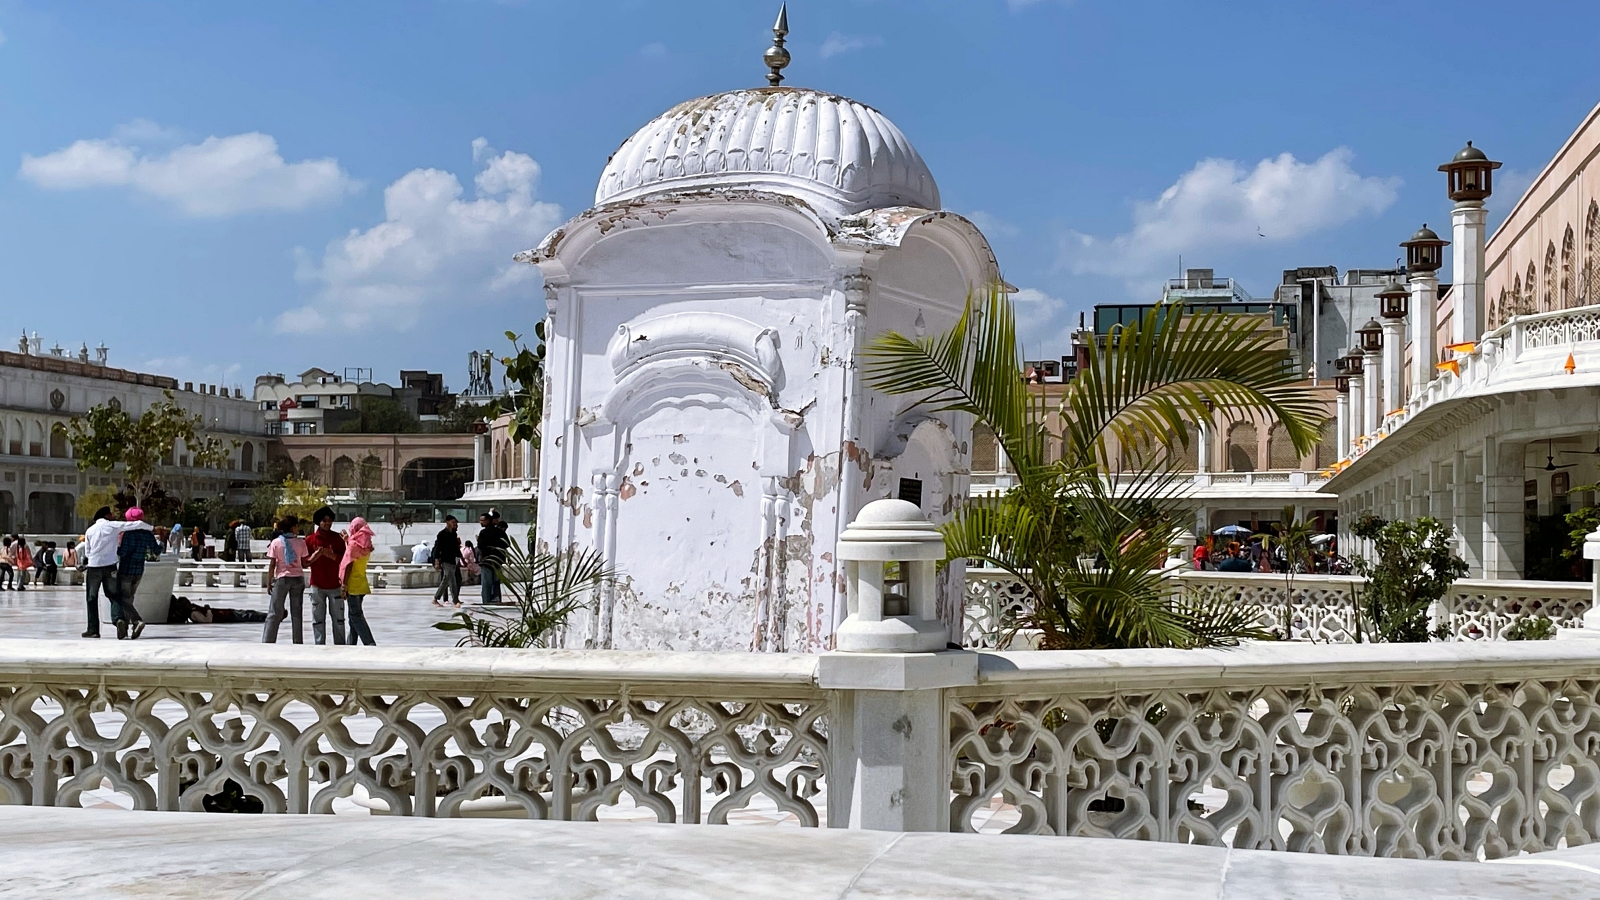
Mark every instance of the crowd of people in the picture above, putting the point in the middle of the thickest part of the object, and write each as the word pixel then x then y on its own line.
pixel 328 565
pixel 458 562
pixel 40 565
pixel 335 564
pixel 1258 554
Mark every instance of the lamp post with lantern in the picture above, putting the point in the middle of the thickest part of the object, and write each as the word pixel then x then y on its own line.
pixel 1393 301
pixel 1341 402
pixel 1370 339
pixel 1469 177
pixel 1424 256
pixel 1357 417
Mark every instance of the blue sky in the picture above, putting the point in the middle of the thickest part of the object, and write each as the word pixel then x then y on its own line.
pixel 217 190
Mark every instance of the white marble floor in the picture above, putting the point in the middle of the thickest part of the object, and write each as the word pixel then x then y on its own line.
pixel 62 853
pixel 402 616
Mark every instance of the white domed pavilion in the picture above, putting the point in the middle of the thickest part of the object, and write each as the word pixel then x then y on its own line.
pixel 707 429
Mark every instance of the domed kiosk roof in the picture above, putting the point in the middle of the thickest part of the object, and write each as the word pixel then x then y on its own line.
pixel 840 155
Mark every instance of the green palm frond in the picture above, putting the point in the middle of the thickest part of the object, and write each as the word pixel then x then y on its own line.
pixel 1155 376
pixel 1089 547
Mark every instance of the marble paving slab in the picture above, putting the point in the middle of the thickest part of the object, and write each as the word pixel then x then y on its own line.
pixel 60 853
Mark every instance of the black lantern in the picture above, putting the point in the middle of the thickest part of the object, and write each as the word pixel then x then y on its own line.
pixel 1352 363
pixel 1469 174
pixel 1371 336
pixel 1394 301
pixel 1342 365
pixel 1425 251
pixel 1341 383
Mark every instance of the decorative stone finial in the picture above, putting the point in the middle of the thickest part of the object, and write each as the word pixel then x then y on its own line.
pixel 776 57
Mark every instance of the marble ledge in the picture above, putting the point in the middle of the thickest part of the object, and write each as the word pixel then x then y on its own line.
pixel 62 853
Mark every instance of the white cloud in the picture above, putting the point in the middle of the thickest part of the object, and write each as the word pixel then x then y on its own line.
pixel 1220 204
pixel 991 224
pixel 434 253
pixel 837 43
pixel 219 176
pixel 1043 324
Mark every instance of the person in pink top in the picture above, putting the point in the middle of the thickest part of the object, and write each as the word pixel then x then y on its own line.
pixel 286 556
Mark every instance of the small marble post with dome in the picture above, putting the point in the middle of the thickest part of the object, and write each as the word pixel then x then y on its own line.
pixel 708 430
pixel 899 615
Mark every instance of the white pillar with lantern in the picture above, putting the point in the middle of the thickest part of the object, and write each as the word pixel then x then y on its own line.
pixel 1358 414
pixel 1370 337
pixel 1392 303
pixel 1424 256
pixel 1342 414
pixel 1469 178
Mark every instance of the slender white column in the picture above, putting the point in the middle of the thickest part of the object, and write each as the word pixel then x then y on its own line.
pixel 1358 407
pixel 1394 365
pixel 1424 329
pixel 1203 452
pixel 477 456
pixel 1372 411
pixel 1467 222
pixel 1342 424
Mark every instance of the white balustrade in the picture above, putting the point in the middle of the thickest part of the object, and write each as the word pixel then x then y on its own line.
pixel 1525 353
pixel 691 737
pixel 1438 751
pixel 1311 607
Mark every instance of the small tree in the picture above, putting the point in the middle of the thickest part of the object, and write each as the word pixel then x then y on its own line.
pixel 1294 539
pixel 106 437
pixel 300 499
pixel 1414 569
pixel 264 500
pixel 524 376
pixel 92 499
pixel 402 519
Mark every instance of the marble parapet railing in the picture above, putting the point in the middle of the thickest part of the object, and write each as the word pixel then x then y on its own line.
pixel 1526 353
pixel 1437 751
pixel 1312 607
pixel 221 573
pixel 499 489
pixel 1440 751
pixel 689 737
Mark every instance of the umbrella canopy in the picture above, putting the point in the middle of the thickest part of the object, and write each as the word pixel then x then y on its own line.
pixel 1321 539
pixel 1232 531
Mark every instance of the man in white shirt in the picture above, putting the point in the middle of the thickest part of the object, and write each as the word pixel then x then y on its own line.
pixel 100 553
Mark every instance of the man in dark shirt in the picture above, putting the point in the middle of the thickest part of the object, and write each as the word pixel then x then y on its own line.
pixel 324 552
pixel 492 555
pixel 135 547
pixel 447 560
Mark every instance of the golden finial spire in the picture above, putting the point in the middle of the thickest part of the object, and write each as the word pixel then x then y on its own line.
pixel 776 56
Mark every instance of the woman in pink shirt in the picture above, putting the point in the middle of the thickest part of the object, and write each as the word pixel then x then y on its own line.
pixel 286 556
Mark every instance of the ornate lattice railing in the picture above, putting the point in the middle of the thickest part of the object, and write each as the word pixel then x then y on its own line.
pixel 1312 607
pixel 1441 751
pixel 688 737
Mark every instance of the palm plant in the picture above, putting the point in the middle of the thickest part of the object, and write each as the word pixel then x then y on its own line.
pixel 547 588
pixel 1139 391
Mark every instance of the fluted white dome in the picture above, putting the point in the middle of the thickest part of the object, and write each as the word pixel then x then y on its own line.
pixel 828 150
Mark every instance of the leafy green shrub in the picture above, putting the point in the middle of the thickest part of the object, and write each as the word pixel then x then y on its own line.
pixel 1531 628
pixel 1414 569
